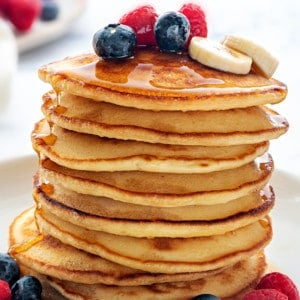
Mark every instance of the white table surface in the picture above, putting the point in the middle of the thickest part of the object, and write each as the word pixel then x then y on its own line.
pixel 273 23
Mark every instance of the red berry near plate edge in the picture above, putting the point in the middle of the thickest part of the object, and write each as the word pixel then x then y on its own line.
pixel 265 294
pixel 5 292
pixel 280 282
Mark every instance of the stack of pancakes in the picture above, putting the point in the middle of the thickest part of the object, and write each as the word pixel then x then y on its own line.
pixel 152 180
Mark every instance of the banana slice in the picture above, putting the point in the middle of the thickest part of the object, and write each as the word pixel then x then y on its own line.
pixel 218 56
pixel 263 61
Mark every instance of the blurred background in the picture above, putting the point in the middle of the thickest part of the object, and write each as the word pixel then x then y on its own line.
pixel 272 23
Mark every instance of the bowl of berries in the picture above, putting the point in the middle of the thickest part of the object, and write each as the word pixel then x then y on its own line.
pixel 36 22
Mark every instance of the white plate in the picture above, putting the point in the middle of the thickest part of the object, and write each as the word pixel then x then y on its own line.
pixel 16 183
pixel 43 32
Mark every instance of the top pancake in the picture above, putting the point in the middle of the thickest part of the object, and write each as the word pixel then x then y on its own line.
pixel 160 81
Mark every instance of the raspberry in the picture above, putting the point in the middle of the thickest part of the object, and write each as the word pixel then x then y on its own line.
pixel 280 282
pixel 142 20
pixel 5 292
pixel 265 294
pixel 3 4
pixel 197 19
pixel 23 13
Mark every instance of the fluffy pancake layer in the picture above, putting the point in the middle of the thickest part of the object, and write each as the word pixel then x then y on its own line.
pixel 68 263
pixel 160 81
pixel 85 204
pixel 249 125
pixel 162 255
pixel 79 275
pixel 153 228
pixel 163 189
pixel 92 153
pixel 222 284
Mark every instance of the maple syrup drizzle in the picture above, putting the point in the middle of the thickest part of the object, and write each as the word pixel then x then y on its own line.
pixel 146 71
pixel 59 109
pixel 45 139
pixel 47 188
pixel 26 245
pixel 264 223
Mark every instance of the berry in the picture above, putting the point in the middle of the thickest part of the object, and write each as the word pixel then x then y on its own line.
pixel 265 294
pixel 5 292
pixel 197 19
pixel 50 10
pixel 9 269
pixel 27 288
pixel 281 283
pixel 3 7
pixel 171 31
pixel 23 13
pixel 114 41
pixel 206 297
pixel 142 20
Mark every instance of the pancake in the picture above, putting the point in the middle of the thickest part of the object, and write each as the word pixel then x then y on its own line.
pixel 230 284
pixel 154 228
pixel 152 180
pixel 163 189
pixel 108 208
pixel 47 255
pixel 246 275
pixel 159 81
pixel 92 153
pixel 217 128
pixel 162 255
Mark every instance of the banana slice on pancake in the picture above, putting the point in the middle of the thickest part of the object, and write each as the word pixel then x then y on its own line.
pixel 215 55
pixel 263 61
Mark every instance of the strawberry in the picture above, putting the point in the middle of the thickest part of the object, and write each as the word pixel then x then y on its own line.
pixel 197 19
pixel 265 294
pixel 23 13
pixel 280 282
pixel 141 20
pixel 5 292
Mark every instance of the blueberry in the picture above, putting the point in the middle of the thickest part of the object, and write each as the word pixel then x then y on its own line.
pixel 206 297
pixel 50 10
pixel 27 288
pixel 115 41
pixel 9 269
pixel 171 31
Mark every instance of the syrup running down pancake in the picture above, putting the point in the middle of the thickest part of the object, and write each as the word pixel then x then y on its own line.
pixel 160 81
